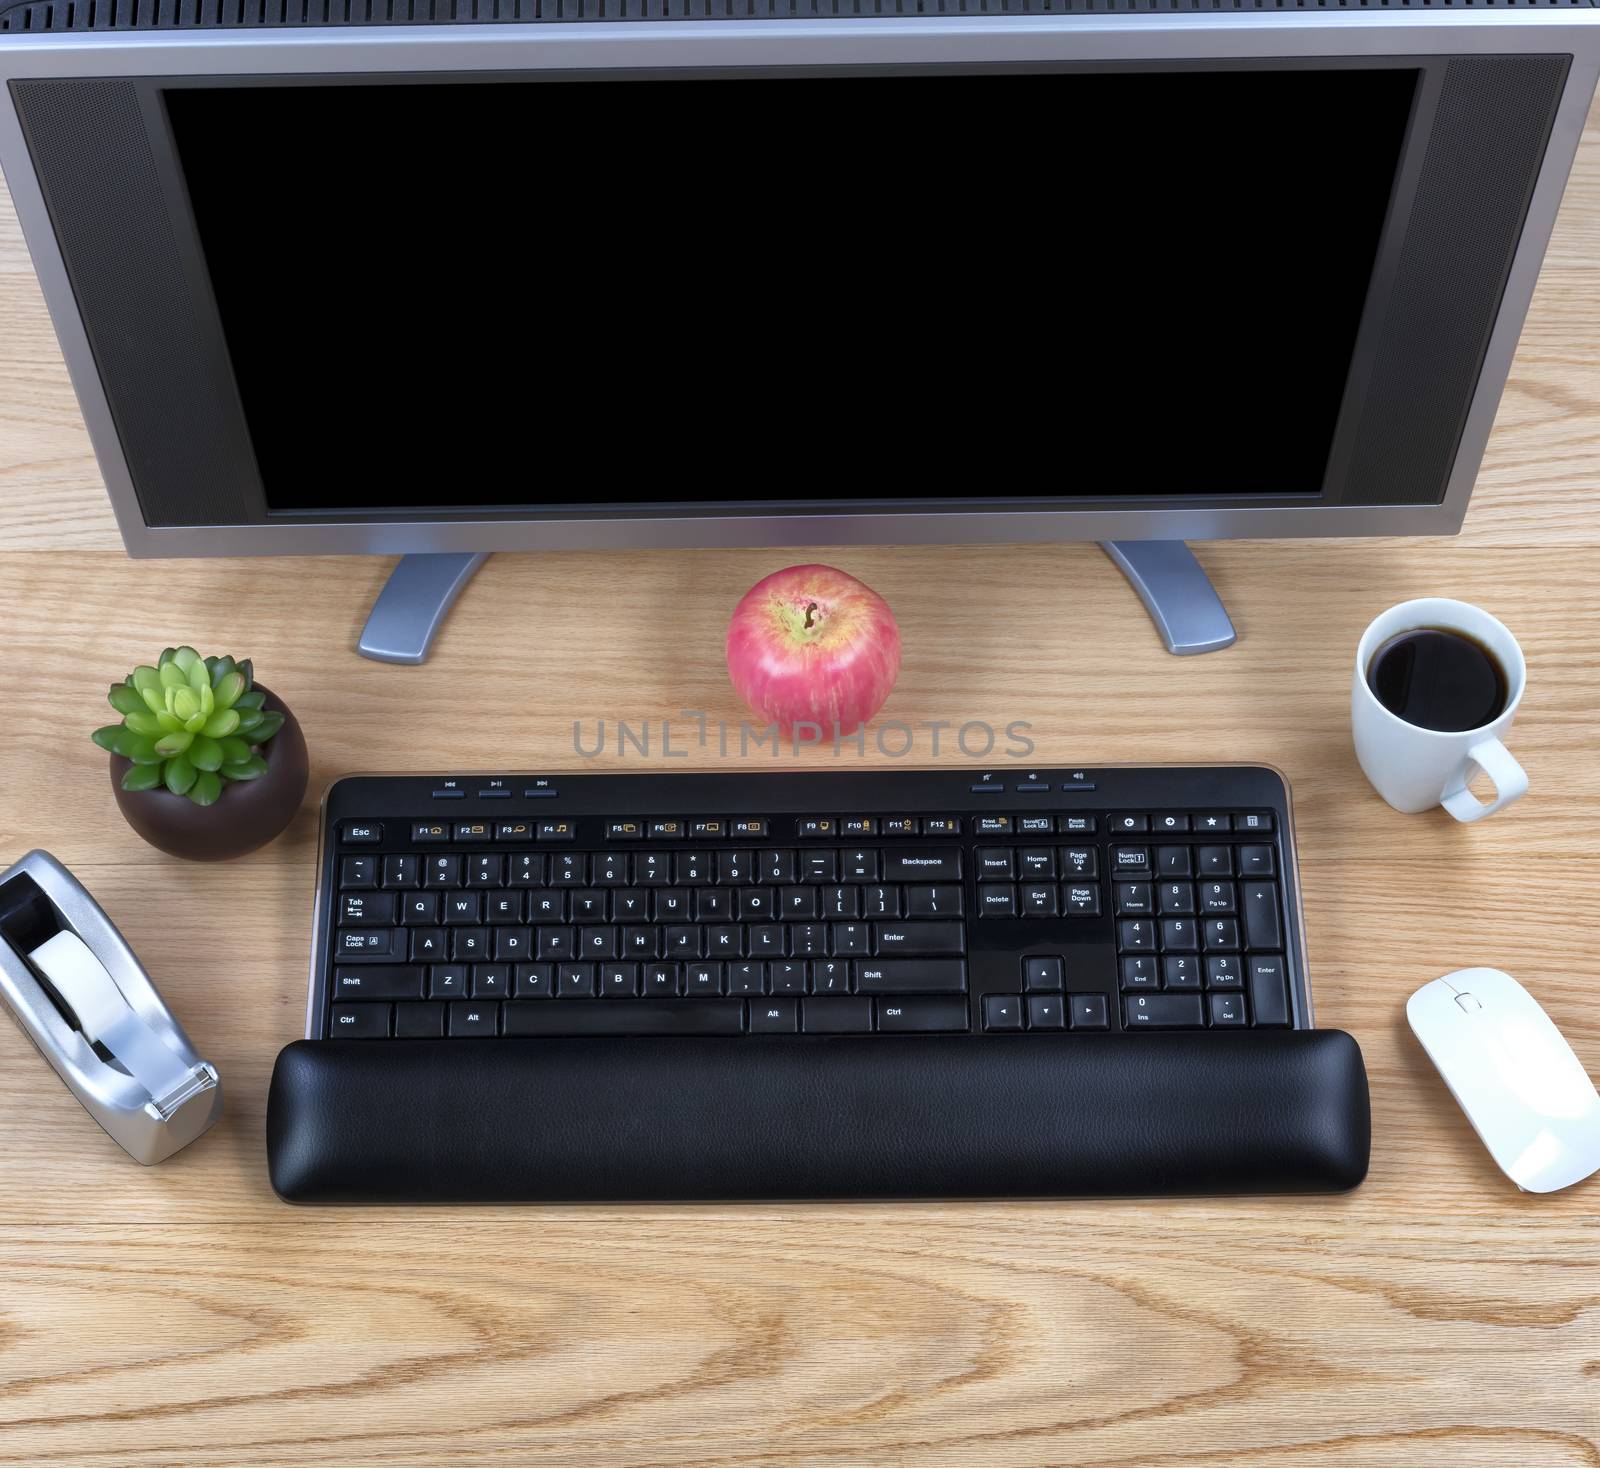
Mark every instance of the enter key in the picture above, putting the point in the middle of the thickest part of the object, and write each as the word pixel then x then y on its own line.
pixel 921 939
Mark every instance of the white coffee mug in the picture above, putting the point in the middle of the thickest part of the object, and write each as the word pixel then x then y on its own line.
pixel 1415 768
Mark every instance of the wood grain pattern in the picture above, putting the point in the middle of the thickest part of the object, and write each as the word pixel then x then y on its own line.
pixel 180 1315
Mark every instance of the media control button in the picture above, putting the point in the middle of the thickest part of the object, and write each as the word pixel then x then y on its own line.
pixel 1130 823
pixel 557 831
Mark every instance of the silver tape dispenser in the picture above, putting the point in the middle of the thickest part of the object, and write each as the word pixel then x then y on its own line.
pixel 81 996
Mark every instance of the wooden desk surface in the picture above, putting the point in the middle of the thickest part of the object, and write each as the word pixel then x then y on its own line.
pixel 181 1315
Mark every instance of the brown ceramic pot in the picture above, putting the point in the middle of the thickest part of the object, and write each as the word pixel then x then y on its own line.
pixel 248 813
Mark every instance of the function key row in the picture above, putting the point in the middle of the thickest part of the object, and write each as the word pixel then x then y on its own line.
pixel 720 828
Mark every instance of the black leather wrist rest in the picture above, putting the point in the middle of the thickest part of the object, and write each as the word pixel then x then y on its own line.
pixel 500 1121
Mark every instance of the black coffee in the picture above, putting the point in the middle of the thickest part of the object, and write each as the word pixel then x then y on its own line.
pixel 1438 679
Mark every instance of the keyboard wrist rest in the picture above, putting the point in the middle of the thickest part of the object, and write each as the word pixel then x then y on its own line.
pixel 585 1120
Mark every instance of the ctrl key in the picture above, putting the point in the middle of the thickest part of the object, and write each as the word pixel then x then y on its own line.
pixel 360 1022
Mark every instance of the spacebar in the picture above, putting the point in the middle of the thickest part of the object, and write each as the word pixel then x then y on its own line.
pixel 625 1017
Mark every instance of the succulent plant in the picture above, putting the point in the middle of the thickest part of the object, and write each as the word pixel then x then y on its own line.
pixel 189 723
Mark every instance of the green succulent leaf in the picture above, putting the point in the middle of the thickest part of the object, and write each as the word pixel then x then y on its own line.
pixel 172 676
pixel 175 743
pixel 125 700
pixel 185 703
pixel 179 775
pixel 205 754
pixel 253 768
pixel 195 723
pixel 186 657
pixel 234 750
pixel 224 721
pixel 248 719
pixel 228 689
pixel 142 721
pixel 154 699
pixel 142 777
pixel 251 699
pixel 139 749
pixel 206 788
pixel 208 701
pixel 145 678
pixel 248 669
pixel 198 677
pixel 170 723
pixel 167 655
pixel 271 722
pixel 220 668
pixel 109 736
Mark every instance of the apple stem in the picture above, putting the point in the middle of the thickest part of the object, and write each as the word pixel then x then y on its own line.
pixel 809 610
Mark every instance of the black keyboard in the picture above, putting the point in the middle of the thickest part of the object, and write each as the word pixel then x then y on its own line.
pixel 689 905
pixel 862 920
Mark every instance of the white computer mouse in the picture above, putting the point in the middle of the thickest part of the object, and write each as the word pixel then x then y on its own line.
pixel 1509 1068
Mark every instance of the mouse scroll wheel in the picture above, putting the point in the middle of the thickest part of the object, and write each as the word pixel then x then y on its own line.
pixel 1468 1003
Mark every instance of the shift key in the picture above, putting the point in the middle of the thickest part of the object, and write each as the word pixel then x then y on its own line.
pixel 379 981
pixel 911 976
pixel 898 938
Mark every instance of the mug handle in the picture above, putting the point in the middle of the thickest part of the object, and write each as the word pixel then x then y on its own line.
pixel 1496 761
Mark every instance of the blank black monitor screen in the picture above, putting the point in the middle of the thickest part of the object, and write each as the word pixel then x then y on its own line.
pixel 792 291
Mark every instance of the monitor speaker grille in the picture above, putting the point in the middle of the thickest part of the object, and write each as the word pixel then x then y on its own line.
pixel 45 16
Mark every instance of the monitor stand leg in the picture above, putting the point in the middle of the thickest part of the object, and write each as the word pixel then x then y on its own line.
pixel 1179 596
pixel 412 605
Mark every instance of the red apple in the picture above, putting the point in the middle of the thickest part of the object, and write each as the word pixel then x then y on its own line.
pixel 810 644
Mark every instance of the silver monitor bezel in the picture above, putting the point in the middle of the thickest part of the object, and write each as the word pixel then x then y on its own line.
pixel 686 44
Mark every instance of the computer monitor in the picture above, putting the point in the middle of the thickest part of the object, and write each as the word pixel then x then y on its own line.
pixel 686 273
